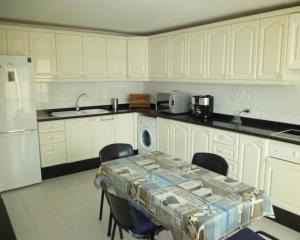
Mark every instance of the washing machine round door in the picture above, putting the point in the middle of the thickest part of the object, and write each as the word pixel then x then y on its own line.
pixel 146 138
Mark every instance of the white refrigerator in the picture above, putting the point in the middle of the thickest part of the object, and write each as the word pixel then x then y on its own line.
pixel 19 146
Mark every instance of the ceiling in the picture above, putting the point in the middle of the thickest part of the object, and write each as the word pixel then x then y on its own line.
pixel 139 17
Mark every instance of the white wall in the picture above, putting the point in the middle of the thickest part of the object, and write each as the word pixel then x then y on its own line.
pixel 62 95
pixel 276 103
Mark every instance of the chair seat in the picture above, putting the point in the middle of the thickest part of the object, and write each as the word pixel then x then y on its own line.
pixel 246 234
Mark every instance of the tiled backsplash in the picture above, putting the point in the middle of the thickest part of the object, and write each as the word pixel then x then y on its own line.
pixel 64 94
pixel 276 103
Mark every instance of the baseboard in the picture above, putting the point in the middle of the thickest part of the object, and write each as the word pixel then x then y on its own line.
pixel 286 218
pixel 69 168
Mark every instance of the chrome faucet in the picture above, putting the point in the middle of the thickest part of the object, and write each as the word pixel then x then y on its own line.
pixel 77 100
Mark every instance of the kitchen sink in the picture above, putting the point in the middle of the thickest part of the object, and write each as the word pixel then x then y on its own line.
pixel 72 113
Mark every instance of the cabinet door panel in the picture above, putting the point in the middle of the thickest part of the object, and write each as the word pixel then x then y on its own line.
pixel 243 50
pixel 272 44
pixel 95 57
pixel 164 130
pixel 281 184
pixel 42 50
pixel 124 129
pixel 3 49
pixel 181 141
pixel 177 56
pixel 252 154
pixel 159 57
pixel 117 60
pixel 217 52
pixel 79 139
pixel 103 133
pixel 137 59
pixel 196 55
pixel 294 42
pixel 200 140
pixel 17 42
pixel 69 56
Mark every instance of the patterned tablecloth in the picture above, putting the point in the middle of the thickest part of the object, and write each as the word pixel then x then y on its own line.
pixel 192 202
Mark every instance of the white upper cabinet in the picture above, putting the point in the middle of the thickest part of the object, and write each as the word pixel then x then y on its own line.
pixel 272 47
pixel 3 49
pixel 69 56
pixel 217 52
pixel 293 61
pixel 95 58
pixel 42 50
pixel 243 50
pixel 177 56
pixel 17 42
pixel 117 59
pixel 196 55
pixel 137 51
pixel 252 157
pixel 159 57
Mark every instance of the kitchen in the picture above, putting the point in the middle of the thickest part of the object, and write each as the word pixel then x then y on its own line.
pixel 248 60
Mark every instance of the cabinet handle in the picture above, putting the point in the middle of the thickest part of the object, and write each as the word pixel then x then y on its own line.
pixel 107 119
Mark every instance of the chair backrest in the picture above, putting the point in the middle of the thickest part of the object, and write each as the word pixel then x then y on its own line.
pixel 121 211
pixel 212 162
pixel 115 151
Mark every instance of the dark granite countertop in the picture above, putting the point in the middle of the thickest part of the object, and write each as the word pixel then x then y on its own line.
pixel 255 127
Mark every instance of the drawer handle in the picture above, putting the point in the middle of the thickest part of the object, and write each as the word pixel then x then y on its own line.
pixel 107 119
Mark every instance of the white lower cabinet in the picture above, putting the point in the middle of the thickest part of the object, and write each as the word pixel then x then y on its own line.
pixel 124 129
pixel 79 139
pixel 164 135
pixel 252 157
pixel 200 140
pixel 181 140
pixel 281 184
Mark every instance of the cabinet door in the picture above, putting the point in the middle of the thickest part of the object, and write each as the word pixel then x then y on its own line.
pixel 243 50
pixel 124 129
pixel 293 61
pixel 181 141
pixel 103 133
pixel 17 42
pixel 177 56
pixel 164 133
pixel 79 139
pixel 217 52
pixel 282 184
pixel 42 50
pixel 200 140
pixel 69 56
pixel 271 49
pixel 117 60
pixel 137 59
pixel 95 57
pixel 196 56
pixel 3 49
pixel 159 58
pixel 252 154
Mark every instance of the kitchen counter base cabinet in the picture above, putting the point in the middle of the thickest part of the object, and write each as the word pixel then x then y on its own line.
pixel 125 129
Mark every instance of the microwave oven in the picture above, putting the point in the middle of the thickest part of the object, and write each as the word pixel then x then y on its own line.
pixel 173 102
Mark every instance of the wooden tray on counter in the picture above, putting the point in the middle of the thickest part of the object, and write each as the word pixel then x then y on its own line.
pixel 139 101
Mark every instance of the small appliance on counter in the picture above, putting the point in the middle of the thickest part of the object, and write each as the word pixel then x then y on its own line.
pixel 115 104
pixel 173 102
pixel 203 106
pixel 139 101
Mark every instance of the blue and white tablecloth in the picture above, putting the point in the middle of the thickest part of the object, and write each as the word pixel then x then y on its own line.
pixel 192 202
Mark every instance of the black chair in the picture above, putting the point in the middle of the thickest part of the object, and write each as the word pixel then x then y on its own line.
pixel 248 234
pixel 130 219
pixel 108 153
pixel 212 162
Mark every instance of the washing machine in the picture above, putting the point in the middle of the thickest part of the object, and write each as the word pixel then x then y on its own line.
pixel 146 134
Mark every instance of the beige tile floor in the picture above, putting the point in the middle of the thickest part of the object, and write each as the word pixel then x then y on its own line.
pixel 67 207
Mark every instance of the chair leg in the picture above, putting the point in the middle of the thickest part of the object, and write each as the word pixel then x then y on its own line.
pixel 101 205
pixel 109 224
pixel 121 233
pixel 114 231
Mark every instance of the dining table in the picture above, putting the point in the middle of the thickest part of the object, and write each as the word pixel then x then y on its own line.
pixel 188 200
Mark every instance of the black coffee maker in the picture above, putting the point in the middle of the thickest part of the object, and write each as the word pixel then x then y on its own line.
pixel 203 106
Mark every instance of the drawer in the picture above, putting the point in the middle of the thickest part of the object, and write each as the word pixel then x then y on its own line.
pixel 52 137
pixel 53 159
pixel 285 151
pixel 53 148
pixel 227 152
pixel 225 137
pixel 51 126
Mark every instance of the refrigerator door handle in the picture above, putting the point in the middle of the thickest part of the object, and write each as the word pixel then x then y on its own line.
pixel 18 131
